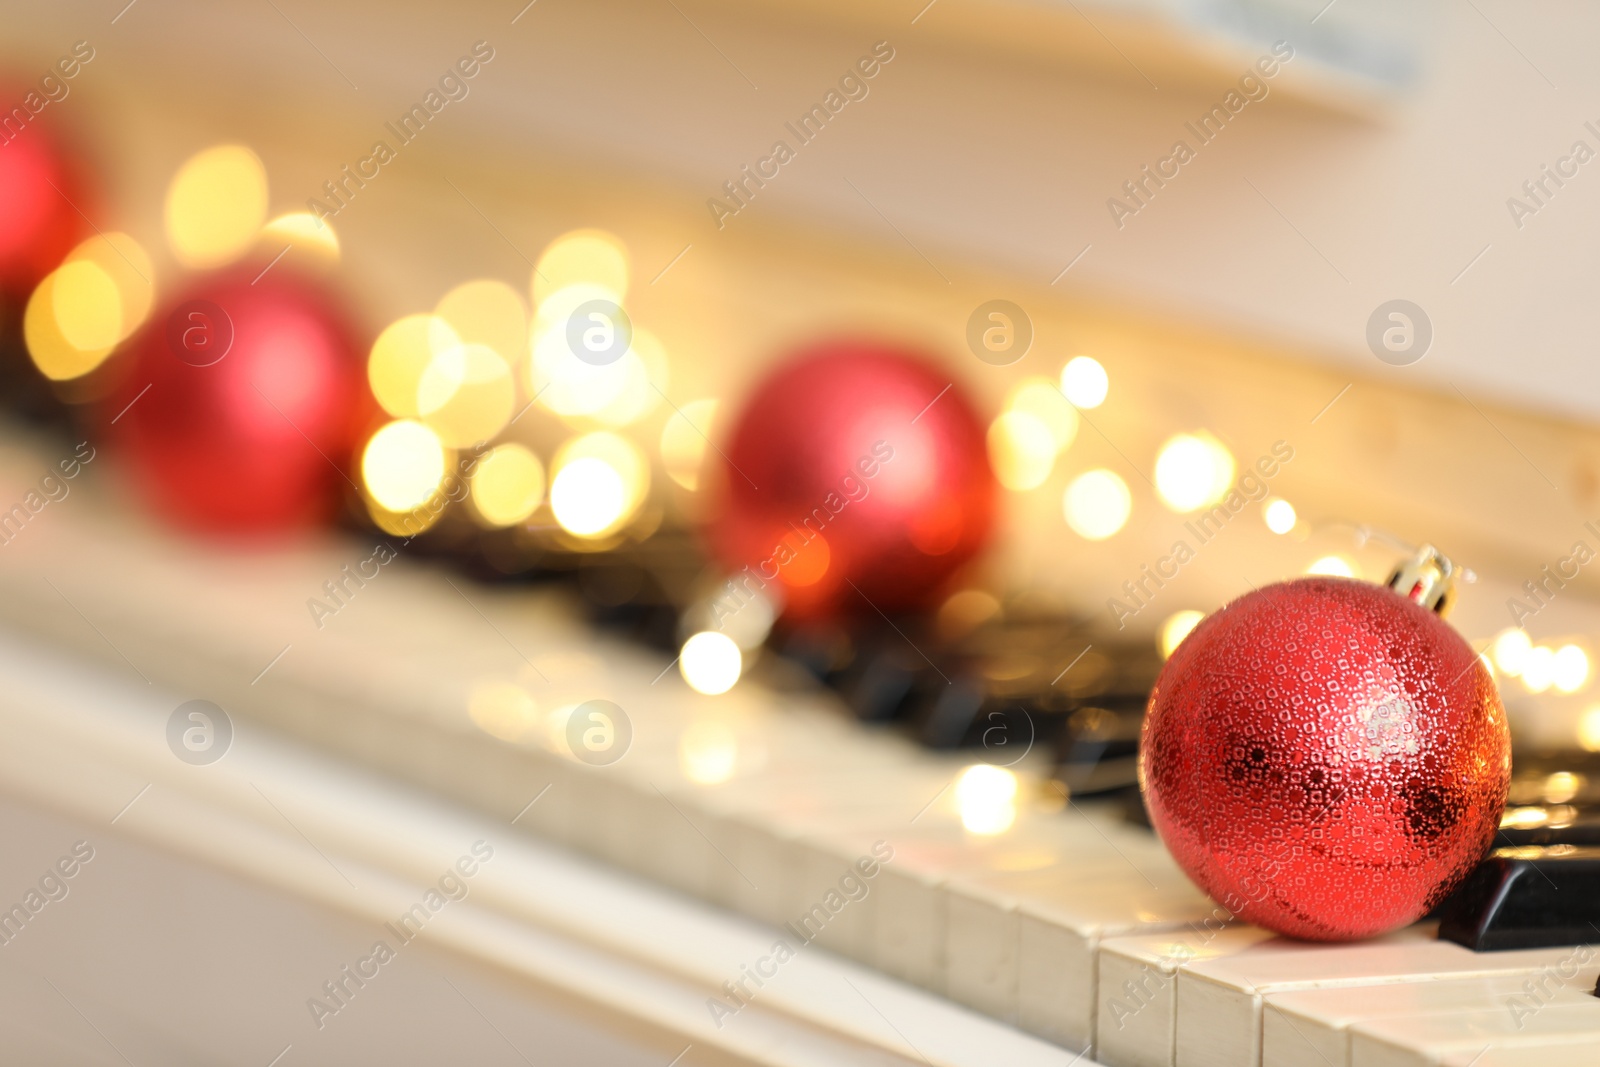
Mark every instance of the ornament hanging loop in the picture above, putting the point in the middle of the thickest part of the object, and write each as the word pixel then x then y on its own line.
pixel 1429 578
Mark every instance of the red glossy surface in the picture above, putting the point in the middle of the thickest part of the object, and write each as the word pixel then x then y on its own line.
pixel 248 444
pixel 848 466
pixel 39 223
pixel 1325 758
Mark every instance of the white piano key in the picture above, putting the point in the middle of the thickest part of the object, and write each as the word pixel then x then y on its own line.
pixel 1136 989
pixel 1060 938
pixel 1427 1041
pixel 1075 865
pixel 1299 1024
pixel 1579 1055
pixel 1219 1000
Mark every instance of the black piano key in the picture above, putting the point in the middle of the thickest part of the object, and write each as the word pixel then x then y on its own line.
pixel 1533 896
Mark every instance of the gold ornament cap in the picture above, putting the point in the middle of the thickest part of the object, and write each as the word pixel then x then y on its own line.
pixel 1429 578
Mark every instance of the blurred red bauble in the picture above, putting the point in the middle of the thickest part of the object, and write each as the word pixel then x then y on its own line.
pixel 859 464
pixel 41 191
pixel 240 405
pixel 1326 758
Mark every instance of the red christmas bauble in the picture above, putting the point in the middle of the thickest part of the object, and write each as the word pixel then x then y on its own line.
pixel 857 477
pixel 1325 758
pixel 41 194
pixel 240 406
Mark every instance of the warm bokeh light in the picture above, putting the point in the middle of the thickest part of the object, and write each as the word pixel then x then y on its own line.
pixel 401 356
pixel 1570 669
pixel 1040 398
pixel 986 796
pixel 96 299
pixel 310 240
pixel 1279 515
pixel 504 710
pixel 1589 730
pixel 587 497
pixel 1511 648
pixel 1193 470
pixel 216 204
pixel 466 394
pixel 1097 504
pixel 708 752
pixel 1084 382
pixel 403 523
pixel 1332 566
pixel 645 377
pixel 1022 450
pixel 128 265
pixel 711 662
pixel 600 480
pixel 507 485
pixel 1539 669
pixel 684 441
pixel 55 356
pixel 402 465
pixel 570 386
pixel 965 611
pixel 490 313
pixel 1561 787
pixel 583 257
pixel 87 306
pixel 1176 628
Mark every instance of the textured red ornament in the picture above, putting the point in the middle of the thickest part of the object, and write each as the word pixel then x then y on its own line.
pixel 855 463
pixel 39 223
pixel 1325 758
pixel 255 393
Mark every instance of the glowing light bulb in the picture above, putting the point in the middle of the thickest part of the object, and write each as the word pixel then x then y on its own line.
pixel 566 384
pixel 490 313
pixel 507 485
pixel 1279 515
pixel 1511 648
pixel 1022 450
pixel 1561 787
pixel 684 440
pixel 1040 398
pixel 309 238
pixel 1193 471
pixel 1332 566
pixel 128 266
pixel 1539 669
pixel 466 394
pixel 600 481
pixel 215 206
pixel 986 797
pixel 95 300
pixel 1570 668
pixel 87 306
pixel 1176 628
pixel 583 257
pixel 645 376
pixel 1589 730
pixel 402 465
pixel 1084 382
pixel 401 356
pixel 587 497
pixel 708 752
pixel 1097 504
pixel 710 662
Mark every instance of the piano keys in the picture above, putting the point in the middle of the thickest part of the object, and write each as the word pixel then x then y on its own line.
pixel 1066 920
